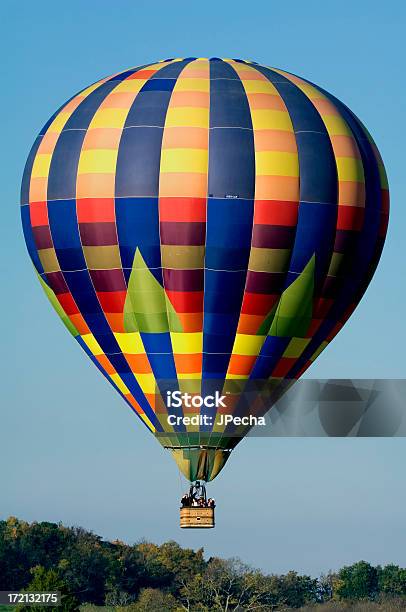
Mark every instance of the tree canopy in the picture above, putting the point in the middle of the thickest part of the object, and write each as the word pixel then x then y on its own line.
pixel 146 577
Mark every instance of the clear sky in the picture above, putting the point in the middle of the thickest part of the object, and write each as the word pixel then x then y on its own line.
pixel 70 449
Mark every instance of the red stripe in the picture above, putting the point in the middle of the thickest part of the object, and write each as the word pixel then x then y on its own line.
pixel 142 74
pixel 283 367
pixel 38 213
pixel 350 218
pixel 385 200
pixel 275 212
pixel 186 301
pixel 383 224
pixel 258 303
pixel 68 304
pixel 91 210
pixel 182 209
pixel 112 301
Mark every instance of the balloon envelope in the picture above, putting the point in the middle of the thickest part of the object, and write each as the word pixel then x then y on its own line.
pixel 203 225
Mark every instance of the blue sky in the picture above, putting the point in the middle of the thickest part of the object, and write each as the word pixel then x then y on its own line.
pixel 71 450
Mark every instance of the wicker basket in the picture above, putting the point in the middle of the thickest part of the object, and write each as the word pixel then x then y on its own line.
pixel 197 518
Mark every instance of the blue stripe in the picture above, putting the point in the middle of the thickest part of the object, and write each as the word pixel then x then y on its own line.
pixel 137 191
pixel 65 235
pixel 317 215
pixel 64 164
pixel 29 238
pixel 368 244
pixel 271 353
pixel 63 219
pixel 136 391
pixel 25 209
pixel 139 153
pixel 138 226
pixel 230 211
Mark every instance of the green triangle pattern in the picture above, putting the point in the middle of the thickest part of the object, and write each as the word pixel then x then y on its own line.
pixel 295 308
pixel 147 308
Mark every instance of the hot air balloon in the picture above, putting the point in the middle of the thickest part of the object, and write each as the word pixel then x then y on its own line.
pixel 204 228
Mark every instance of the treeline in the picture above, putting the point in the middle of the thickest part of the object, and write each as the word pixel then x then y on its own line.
pixel 145 577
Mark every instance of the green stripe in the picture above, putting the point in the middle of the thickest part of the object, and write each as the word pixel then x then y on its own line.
pixel 54 301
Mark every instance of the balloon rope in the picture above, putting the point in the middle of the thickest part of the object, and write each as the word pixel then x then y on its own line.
pixel 180 480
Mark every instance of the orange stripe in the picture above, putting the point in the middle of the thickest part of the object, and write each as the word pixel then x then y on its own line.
pixel 188 364
pixel 277 188
pixel 266 100
pixel 275 140
pixel 183 184
pixel 115 320
pixel 197 99
pixel 249 324
pixel 344 146
pixel 191 321
pixel 119 99
pixel 95 186
pixel 105 364
pixel 351 193
pixel 241 364
pixel 80 324
pixel 139 364
pixel 102 138
pixel 185 137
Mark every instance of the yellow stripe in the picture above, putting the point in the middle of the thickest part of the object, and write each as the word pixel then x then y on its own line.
pixel 184 160
pixel 48 259
pixel 191 84
pixel 256 86
pixel 237 376
pixel 336 126
pixel 310 91
pixel 147 382
pixel 147 422
pixel 130 343
pixel 41 165
pixel 296 347
pixel 271 119
pixel 59 122
pixel 187 116
pixel 350 169
pixel 184 343
pixel 109 117
pixel 245 344
pixel 91 88
pixel 117 380
pixel 130 86
pixel 319 350
pixel 191 376
pixel 97 161
pixel 276 163
pixel 92 344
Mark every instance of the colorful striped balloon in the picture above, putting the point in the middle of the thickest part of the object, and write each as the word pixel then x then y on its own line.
pixel 202 220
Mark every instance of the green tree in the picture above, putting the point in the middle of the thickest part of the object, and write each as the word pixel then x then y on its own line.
pixel 296 591
pixel 154 600
pixel 228 585
pixel 48 580
pixel 126 571
pixel 180 563
pixel 85 566
pixel 357 581
pixel 23 546
pixel 392 580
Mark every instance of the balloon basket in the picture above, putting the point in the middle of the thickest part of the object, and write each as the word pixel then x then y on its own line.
pixel 197 518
